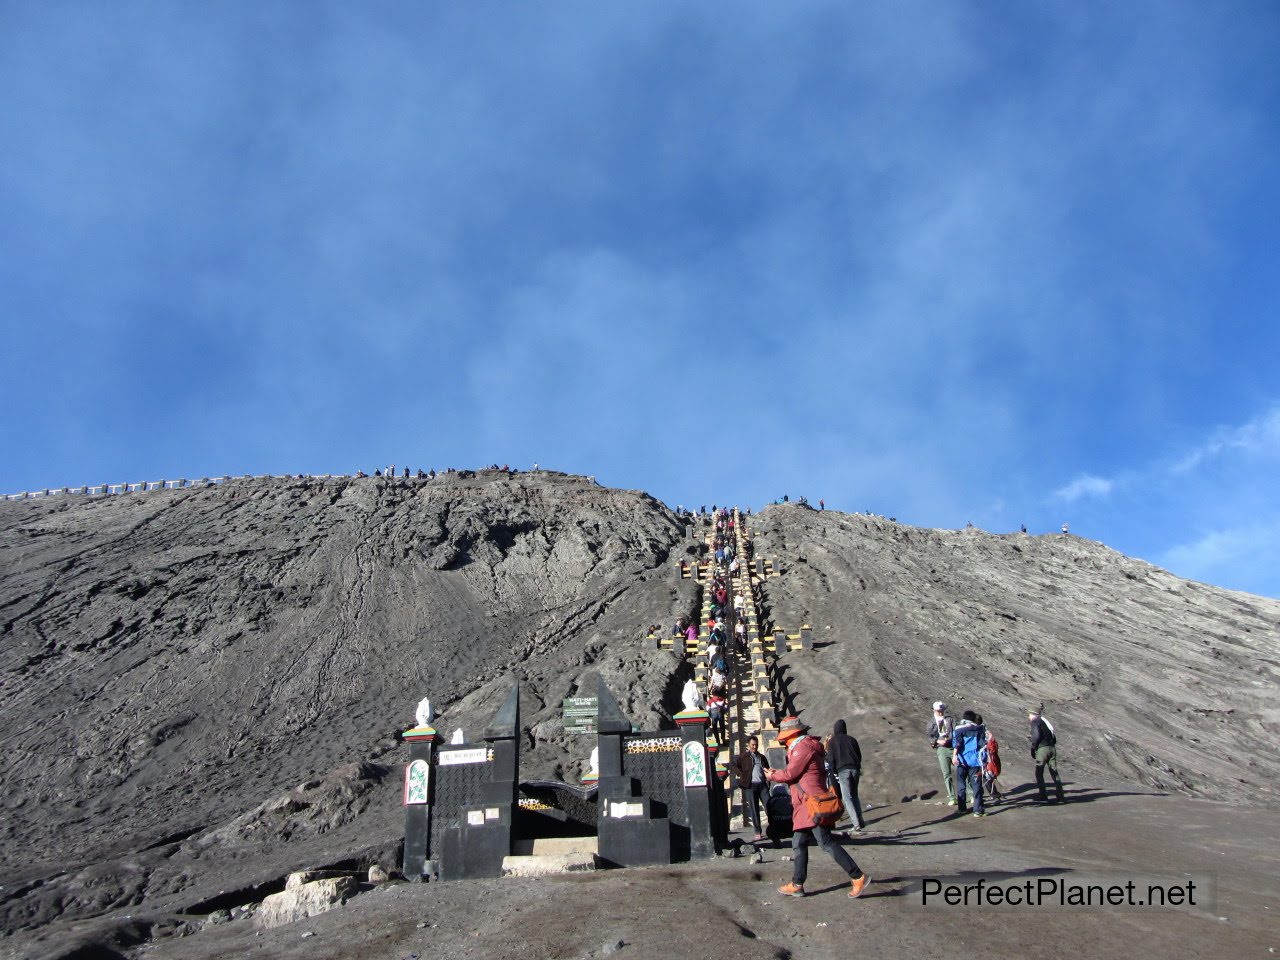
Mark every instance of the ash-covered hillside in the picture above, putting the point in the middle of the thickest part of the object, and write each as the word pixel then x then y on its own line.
pixel 172 663
pixel 1152 681
pixel 199 689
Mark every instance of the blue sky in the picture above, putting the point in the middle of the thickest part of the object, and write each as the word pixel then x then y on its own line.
pixel 1007 263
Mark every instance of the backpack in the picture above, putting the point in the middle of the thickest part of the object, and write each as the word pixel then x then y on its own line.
pixel 991 762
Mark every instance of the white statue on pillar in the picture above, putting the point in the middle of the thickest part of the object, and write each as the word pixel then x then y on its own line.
pixel 458 737
pixel 690 696
pixel 426 713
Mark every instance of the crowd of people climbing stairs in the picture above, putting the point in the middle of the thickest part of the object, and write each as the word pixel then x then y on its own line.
pixel 817 787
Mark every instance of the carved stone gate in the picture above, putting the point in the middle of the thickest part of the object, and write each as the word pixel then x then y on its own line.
pixel 656 799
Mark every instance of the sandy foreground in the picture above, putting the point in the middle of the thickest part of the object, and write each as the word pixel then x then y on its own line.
pixel 730 907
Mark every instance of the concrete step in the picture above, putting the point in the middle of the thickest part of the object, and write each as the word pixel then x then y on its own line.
pixel 555 846
pixel 548 864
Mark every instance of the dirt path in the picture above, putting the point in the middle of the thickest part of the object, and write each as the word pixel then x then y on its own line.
pixel 729 908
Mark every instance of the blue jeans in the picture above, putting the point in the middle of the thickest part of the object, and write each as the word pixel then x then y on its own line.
pixel 800 841
pixel 848 780
pixel 969 780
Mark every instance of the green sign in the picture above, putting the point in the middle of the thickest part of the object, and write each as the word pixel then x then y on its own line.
pixel 580 714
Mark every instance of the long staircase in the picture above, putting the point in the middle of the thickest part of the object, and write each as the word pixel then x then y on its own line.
pixel 756 701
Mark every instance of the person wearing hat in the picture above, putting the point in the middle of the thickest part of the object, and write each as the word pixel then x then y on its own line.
pixel 1044 751
pixel 805 773
pixel 941 728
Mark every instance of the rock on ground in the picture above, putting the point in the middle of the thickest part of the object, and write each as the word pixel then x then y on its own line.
pixel 301 900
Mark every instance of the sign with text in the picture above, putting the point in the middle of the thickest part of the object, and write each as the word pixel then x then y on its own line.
pixel 475 755
pixel 581 714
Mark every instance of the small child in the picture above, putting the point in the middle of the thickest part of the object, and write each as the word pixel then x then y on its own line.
pixel 990 756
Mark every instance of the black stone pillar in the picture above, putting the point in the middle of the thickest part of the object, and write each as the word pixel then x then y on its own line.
pixel 480 842
pixel 419 773
pixel 630 834
pixel 698 772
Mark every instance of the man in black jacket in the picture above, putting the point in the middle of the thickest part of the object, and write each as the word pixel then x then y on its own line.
pixel 1044 751
pixel 845 758
pixel 748 769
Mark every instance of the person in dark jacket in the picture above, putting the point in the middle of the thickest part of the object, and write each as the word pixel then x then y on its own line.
pixel 805 773
pixel 845 758
pixel 968 740
pixel 1044 751
pixel 748 769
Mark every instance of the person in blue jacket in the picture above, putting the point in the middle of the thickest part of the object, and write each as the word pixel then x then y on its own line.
pixel 967 741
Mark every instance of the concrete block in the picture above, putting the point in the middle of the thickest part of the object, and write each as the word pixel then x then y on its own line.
pixel 554 846
pixel 546 865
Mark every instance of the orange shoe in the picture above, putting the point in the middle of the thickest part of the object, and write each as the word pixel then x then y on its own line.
pixel 792 890
pixel 858 886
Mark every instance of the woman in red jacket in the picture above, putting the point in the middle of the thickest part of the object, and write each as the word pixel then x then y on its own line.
pixel 807 775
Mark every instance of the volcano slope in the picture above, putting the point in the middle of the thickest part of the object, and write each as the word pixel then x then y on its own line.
pixel 1153 682
pixel 199 689
pixel 1132 663
pixel 174 663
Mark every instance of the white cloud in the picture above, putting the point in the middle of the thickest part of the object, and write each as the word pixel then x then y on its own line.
pixel 1260 436
pixel 1240 556
pixel 1084 486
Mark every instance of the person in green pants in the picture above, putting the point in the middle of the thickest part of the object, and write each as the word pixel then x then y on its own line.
pixel 941 727
pixel 1044 751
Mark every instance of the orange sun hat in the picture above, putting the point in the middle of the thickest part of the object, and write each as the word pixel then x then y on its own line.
pixel 791 728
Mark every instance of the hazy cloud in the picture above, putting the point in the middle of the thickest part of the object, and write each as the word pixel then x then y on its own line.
pixel 1260 436
pixel 1228 555
pixel 1084 486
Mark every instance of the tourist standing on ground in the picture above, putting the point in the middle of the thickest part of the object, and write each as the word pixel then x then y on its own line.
pixel 940 729
pixel 749 769
pixel 805 773
pixel 845 757
pixel 1044 751
pixel 991 767
pixel 968 740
